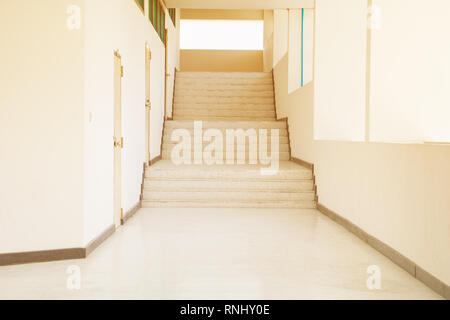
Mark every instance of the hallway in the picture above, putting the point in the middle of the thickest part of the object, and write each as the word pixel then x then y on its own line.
pixel 175 253
pixel 225 149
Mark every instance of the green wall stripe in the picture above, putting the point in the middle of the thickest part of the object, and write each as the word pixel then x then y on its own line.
pixel 303 17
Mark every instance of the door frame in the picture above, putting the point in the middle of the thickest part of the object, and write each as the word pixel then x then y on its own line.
pixel 166 66
pixel 117 139
pixel 148 105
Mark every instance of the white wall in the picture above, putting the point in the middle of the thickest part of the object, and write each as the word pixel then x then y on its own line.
pixel 280 34
pixel 396 192
pixel 340 70
pixel 301 48
pixel 268 40
pixel 295 49
pixel 110 25
pixel 57 114
pixel 308 46
pixel 173 58
pixel 41 124
pixel 410 94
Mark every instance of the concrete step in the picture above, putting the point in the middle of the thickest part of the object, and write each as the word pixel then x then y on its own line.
pixel 224 113
pixel 227 196
pixel 222 125
pixel 225 107
pixel 166 169
pixel 223 75
pixel 204 185
pixel 186 85
pixel 180 93
pixel 281 132
pixel 223 81
pixel 220 118
pixel 282 147
pixel 282 156
pixel 223 100
pixel 230 204
pixel 282 139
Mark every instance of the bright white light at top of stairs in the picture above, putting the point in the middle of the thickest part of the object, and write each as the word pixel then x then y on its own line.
pixel 222 34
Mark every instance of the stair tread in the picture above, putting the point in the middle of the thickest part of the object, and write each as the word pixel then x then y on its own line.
pixel 232 75
pixel 217 118
pixel 305 204
pixel 226 107
pixel 224 180
pixel 229 123
pixel 225 112
pixel 232 192
pixel 284 166
pixel 152 189
pixel 224 100
pixel 224 87
pixel 229 196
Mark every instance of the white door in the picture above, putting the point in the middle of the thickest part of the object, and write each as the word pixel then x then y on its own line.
pixel 118 140
pixel 148 57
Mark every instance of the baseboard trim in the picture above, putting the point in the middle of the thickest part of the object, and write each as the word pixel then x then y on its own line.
pixel 399 259
pixel 286 120
pixel 7 259
pixel 308 165
pixel 130 213
pixel 303 163
pixel 141 196
pixel 274 96
pixel 14 258
pixel 155 160
pixel 95 243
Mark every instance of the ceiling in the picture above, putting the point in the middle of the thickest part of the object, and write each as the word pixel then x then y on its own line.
pixel 239 4
pixel 213 14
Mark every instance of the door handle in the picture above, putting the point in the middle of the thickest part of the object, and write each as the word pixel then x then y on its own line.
pixel 118 143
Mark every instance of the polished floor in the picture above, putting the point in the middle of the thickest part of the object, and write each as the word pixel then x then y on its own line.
pixel 178 253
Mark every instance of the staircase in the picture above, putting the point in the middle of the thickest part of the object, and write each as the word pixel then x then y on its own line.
pixel 224 96
pixel 227 101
